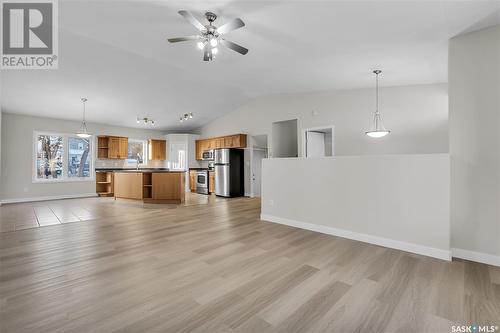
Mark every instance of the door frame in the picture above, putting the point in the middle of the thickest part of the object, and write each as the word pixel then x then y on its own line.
pixel 318 128
pixel 251 193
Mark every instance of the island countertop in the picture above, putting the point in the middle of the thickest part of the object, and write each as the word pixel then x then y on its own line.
pixel 147 171
pixel 142 170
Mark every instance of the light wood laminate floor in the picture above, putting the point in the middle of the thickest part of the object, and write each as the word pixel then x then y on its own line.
pixel 213 266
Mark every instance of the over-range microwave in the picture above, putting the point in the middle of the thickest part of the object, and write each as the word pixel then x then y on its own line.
pixel 207 155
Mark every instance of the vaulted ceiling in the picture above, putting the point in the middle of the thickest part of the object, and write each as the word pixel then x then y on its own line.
pixel 115 53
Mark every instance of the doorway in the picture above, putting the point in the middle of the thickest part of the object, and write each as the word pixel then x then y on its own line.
pixel 258 152
pixel 318 142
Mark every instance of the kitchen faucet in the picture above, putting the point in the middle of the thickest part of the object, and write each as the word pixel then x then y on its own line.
pixel 137 159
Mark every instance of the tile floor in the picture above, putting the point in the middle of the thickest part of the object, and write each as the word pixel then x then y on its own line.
pixel 37 214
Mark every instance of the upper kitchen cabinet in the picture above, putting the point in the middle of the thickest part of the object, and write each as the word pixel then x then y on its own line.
pixel 235 141
pixel 114 147
pixel 157 150
pixel 229 141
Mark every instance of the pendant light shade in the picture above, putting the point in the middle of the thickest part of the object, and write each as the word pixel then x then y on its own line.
pixel 84 132
pixel 377 130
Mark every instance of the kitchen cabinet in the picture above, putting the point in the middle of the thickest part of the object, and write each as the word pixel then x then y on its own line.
pixel 104 183
pixel 219 143
pixel 114 147
pixel 211 181
pixel 168 186
pixel 192 180
pixel 128 185
pixel 157 150
pixel 229 141
pixel 199 150
pixel 151 187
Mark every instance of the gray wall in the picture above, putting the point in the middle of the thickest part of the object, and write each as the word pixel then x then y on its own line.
pixel 417 116
pixel 284 139
pixel 17 155
pixel 474 84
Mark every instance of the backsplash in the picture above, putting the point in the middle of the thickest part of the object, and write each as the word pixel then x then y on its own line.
pixel 111 164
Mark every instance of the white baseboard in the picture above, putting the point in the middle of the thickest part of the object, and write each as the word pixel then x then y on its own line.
pixel 46 198
pixel 484 258
pixel 386 242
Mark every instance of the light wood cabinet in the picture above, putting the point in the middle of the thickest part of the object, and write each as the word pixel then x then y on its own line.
pixel 168 186
pixel 128 185
pixel 211 181
pixel 157 150
pixel 192 180
pixel 104 183
pixel 230 141
pixel 152 187
pixel 114 147
pixel 199 150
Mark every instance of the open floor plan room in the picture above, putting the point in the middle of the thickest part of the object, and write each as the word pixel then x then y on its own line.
pixel 250 166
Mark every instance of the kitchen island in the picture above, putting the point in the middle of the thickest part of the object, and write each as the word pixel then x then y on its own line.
pixel 158 186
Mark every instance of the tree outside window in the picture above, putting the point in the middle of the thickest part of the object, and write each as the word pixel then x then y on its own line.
pixel 49 158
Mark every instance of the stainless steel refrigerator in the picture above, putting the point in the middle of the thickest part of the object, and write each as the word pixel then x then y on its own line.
pixel 229 180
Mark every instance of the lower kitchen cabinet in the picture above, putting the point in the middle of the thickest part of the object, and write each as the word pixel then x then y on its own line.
pixel 211 181
pixel 192 180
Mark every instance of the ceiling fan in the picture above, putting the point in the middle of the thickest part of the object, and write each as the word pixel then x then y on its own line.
pixel 210 36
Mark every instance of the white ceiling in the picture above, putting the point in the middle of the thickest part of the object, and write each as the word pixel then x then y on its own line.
pixel 115 53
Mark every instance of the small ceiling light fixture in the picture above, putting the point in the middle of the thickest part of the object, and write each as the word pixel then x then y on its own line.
pixel 378 130
pixel 84 132
pixel 186 116
pixel 146 121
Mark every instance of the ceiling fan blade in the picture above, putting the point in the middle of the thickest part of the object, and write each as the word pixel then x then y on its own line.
pixel 230 26
pixel 235 47
pixel 188 16
pixel 183 39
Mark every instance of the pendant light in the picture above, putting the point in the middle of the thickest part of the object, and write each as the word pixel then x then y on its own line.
pixel 84 133
pixel 378 130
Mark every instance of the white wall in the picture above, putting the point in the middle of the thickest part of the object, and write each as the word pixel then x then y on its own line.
pixel 417 116
pixel 399 201
pixel 17 155
pixel 284 138
pixel 474 83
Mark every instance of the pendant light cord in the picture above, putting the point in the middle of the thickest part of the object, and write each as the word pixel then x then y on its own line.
pixel 84 100
pixel 376 97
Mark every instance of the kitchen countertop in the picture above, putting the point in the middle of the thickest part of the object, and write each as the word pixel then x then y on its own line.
pixel 141 170
pixel 148 171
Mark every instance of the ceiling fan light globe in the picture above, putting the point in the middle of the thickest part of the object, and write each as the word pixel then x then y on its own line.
pixel 215 50
pixel 214 42
pixel 200 45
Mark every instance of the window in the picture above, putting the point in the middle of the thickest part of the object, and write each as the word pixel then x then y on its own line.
pixel 79 157
pixel 62 157
pixel 136 150
pixel 49 157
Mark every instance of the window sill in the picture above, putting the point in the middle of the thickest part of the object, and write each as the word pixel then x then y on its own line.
pixel 64 180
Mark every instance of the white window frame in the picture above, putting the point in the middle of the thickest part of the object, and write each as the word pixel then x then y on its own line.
pixel 65 178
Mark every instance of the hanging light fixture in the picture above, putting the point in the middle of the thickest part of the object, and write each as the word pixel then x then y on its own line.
pixel 84 133
pixel 378 130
